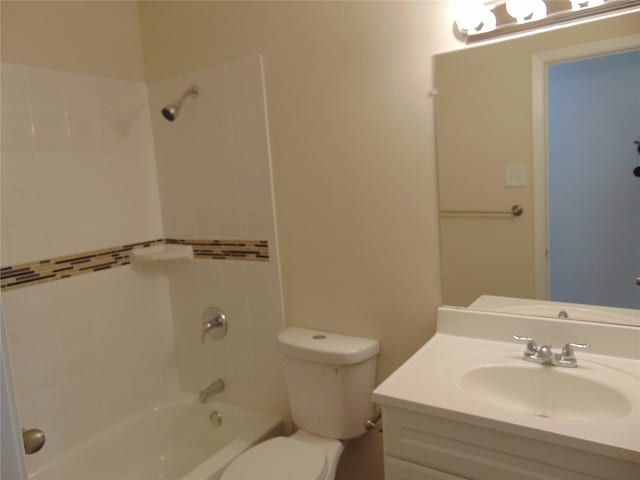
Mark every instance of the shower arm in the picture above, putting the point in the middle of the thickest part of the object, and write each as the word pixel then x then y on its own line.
pixel 192 91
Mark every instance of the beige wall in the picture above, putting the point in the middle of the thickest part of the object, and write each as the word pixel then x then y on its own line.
pixel 351 137
pixel 97 37
pixel 484 123
pixel 350 124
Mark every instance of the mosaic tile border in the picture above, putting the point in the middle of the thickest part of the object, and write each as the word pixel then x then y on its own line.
pixel 227 249
pixel 59 268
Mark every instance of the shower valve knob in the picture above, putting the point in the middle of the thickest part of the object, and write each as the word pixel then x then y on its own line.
pixel 214 323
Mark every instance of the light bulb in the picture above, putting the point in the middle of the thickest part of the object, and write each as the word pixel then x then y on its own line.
pixel 468 14
pixel 520 9
pixel 488 21
pixel 539 10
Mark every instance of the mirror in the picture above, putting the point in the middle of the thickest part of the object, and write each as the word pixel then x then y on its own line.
pixel 491 135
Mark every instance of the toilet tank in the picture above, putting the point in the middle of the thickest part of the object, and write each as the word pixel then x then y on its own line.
pixel 330 378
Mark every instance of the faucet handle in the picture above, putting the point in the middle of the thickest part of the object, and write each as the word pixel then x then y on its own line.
pixel 567 350
pixel 567 357
pixel 531 348
pixel 206 328
pixel 214 321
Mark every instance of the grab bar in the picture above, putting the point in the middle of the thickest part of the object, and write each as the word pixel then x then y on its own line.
pixel 515 211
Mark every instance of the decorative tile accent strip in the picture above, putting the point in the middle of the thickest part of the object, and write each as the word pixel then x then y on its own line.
pixel 227 249
pixel 59 268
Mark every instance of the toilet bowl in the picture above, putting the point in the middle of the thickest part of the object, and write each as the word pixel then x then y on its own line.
pixel 330 378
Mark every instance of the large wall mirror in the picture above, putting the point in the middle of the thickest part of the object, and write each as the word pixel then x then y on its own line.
pixel 544 123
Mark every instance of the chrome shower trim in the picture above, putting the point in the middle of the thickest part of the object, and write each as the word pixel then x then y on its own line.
pixel 171 111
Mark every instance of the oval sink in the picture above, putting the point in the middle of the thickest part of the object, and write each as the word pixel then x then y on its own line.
pixel 545 392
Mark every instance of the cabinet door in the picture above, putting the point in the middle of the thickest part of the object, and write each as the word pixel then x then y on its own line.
pixel 395 469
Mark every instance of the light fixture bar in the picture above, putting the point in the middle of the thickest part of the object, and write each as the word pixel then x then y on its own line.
pixel 556 18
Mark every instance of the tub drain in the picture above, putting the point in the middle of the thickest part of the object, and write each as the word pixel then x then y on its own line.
pixel 215 417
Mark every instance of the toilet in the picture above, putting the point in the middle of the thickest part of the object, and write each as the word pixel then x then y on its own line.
pixel 329 378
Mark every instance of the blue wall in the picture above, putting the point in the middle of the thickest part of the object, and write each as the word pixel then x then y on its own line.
pixel 594 199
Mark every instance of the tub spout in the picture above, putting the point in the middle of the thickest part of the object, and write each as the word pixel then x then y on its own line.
pixel 215 387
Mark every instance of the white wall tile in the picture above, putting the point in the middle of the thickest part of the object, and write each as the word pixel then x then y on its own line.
pixel 18 132
pixel 46 89
pixel 104 350
pixel 52 131
pixel 5 253
pixel 14 97
pixel 81 94
pixel 214 158
pixel 78 173
pixel 92 179
pixel 215 182
pixel 87 179
pixel 84 130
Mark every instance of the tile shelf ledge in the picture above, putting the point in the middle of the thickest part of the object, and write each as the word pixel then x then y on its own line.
pixel 162 252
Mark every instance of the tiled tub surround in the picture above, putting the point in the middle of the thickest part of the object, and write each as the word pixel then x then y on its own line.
pixel 59 268
pixel 78 174
pixel 124 339
pixel 214 171
pixel 77 164
pixel 89 351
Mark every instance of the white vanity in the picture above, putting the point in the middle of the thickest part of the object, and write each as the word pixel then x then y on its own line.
pixel 468 406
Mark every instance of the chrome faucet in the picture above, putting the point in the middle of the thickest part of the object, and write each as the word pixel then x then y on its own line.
pixel 544 355
pixel 206 392
pixel 214 323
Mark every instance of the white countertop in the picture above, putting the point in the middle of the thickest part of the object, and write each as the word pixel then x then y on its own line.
pixel 429 382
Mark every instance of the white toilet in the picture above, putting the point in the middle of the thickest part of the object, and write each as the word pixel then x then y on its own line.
pixel 330 378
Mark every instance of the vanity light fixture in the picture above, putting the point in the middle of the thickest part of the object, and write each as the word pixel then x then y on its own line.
pixel 526 10
pixel 482 19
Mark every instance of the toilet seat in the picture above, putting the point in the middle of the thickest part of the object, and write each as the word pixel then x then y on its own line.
pixel 280 458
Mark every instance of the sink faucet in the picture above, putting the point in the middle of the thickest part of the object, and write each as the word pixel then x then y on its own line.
pixel 215 387
pixel 544 355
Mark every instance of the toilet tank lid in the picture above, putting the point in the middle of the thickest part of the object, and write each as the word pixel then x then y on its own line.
pixel 327 348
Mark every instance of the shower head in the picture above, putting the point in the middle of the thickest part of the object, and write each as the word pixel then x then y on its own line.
pixel 170 112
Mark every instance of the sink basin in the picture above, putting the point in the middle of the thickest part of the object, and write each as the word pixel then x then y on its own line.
pixel 545 392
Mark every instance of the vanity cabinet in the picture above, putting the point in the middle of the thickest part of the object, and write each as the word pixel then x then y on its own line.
pixel 395 469
pixel 419 446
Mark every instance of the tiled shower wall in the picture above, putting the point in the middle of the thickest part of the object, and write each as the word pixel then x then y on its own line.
pixel 78 170
pixel 78 174
pixel 214 173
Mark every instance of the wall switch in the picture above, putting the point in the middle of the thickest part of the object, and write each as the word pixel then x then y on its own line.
pixel 515 176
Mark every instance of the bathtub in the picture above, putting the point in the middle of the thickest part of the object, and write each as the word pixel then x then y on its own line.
pixel 179 440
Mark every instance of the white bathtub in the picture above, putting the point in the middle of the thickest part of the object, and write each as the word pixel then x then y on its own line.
pixel 174 441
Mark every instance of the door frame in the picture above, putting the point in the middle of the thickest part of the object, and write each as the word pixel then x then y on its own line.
pixel 540 63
